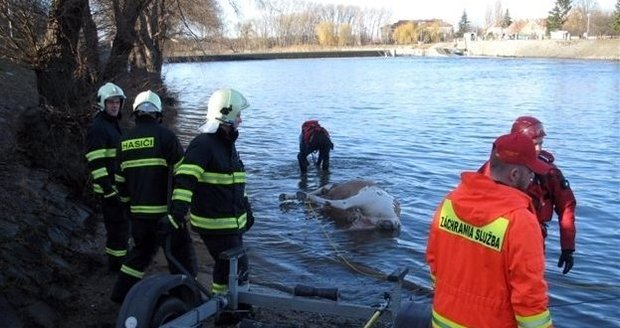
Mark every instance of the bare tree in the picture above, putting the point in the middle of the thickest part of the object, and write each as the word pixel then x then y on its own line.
pixel 126 13
pixel 55 66
pixel 498 13
pixel 489 19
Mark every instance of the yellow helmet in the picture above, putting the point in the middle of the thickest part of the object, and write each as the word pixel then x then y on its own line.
pixel 108 91
pixel 148 102
pixel 223 108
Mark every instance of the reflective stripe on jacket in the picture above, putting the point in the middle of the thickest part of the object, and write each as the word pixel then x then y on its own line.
pixel 101 140
pixel 211 182
pixel 147 155
pixel 486 258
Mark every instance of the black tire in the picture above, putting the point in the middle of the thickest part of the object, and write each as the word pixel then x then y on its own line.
pixel 167 308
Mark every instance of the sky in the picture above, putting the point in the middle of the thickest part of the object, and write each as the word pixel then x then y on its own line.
pixel 452 10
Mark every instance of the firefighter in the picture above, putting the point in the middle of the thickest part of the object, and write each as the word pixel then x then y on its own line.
pixel 485 250
pixel 313 138
pixel 210 184
pixel 101 139
pixel 549 192
pixel 146 158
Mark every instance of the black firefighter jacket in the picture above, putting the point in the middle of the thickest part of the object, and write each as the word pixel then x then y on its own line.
pixel 147 154
pixel 211 181
pixel 101 140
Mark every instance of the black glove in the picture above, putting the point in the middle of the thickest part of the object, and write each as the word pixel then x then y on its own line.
pixel 167 225
pixel 566 260
pixel 249 215
pixel 112 201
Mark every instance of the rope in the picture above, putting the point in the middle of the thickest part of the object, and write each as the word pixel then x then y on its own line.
pixel 376 275
pixel 382 276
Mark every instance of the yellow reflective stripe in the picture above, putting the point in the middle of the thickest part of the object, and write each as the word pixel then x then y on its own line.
pixel 149 209
pixel 110 194
pixel 219 289
pixel 100 172
pixel 144 162
pixel 190 169
pixel 222 178
pixel 132 272
pixel 125 199
pixel 218 223
pixel 116 252
pixel 541 320
pixel 97 189
pixel 178 164
pixel 490 235
pixel 182 194
pixel 442 322
pixel 119 178
pixel 101 153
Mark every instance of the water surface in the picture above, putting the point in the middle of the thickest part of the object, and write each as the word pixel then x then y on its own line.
pixel 412 125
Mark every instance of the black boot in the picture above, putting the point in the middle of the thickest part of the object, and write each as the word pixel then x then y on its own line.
pixel 115 263
pixel 122 287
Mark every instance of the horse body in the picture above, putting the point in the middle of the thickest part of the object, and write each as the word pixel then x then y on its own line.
pixel 360 202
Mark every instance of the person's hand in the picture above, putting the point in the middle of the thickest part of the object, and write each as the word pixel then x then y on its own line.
pixel 167 225
pixel 249 214
pixel 566 260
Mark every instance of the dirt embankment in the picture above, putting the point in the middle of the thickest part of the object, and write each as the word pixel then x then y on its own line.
pixel 577 49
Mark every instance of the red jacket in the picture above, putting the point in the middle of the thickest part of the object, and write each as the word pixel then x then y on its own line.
pixel 485 253
pixel 549 192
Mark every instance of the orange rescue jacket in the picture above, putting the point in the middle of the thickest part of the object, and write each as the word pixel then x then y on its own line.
pixel 485 253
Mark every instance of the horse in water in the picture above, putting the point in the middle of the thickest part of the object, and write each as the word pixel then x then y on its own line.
pixel 360 202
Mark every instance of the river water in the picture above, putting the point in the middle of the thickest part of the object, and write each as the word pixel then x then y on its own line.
pixel 412 124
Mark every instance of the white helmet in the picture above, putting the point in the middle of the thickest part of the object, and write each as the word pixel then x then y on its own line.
pixel 108 91
pixel 148 102
pixel 223 108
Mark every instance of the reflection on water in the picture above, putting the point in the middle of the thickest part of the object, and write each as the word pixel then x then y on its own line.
pixel 412 125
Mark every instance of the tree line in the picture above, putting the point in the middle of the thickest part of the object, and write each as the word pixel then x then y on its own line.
pixel 74 45
pixel 575 16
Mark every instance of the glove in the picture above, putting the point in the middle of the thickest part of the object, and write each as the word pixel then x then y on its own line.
pixel 167 225
pixel 249 214
pixel 566 260
pixel 112 201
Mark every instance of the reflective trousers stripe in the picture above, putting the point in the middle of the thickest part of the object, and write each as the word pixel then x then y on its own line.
pixel 116 252
pixel 219 289
pixel 132 272
pixel 149 209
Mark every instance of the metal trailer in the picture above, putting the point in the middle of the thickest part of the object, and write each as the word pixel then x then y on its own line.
pixel 174 301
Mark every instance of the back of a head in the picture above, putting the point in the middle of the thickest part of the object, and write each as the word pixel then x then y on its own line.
pixel 147 103
pixel 515 149
pixel 528 126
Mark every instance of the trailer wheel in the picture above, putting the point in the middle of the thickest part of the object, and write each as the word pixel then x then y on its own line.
pixel 167 309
